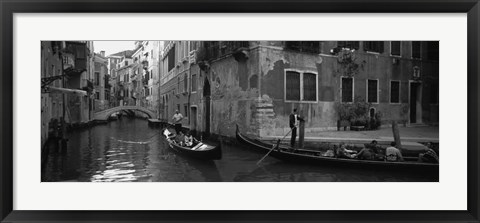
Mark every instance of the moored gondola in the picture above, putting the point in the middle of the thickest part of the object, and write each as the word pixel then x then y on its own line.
pixel 315 157
pixel 198 150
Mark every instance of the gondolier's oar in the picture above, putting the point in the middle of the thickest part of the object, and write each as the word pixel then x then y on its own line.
pixel 273 147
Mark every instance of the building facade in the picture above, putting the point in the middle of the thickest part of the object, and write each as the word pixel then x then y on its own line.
pixel 113 64
pixel 101 83
pixel 175 92
pixel 257 84
pixel 52 104
pixel 147 56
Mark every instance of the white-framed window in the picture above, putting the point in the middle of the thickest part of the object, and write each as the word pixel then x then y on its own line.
pixel 396 48
pixel 395 92
pixel 347 89
pixel 301 86
pixel 416 49
pixel 372 91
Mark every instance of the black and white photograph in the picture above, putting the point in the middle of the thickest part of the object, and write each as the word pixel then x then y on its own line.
pixel 239 111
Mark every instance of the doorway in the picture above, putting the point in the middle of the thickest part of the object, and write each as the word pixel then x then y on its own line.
pixel 415 102
pixel 193 120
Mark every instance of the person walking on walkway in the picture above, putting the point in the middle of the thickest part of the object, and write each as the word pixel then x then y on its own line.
pixel 177 121
pixel 294 121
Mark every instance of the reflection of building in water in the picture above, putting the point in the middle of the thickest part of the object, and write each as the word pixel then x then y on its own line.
pixel 256 84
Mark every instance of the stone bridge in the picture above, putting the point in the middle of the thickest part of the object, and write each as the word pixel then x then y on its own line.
pixel 103 115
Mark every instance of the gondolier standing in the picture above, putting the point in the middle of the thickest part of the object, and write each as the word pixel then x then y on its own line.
pixel 294 121
pixel 177 121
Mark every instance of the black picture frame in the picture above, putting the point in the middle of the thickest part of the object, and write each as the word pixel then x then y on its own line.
pixel 9 7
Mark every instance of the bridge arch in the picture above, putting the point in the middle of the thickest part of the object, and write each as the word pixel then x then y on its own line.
pixel 103 115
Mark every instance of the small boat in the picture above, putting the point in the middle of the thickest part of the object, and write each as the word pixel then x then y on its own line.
pixel 289 154
pixel 198 150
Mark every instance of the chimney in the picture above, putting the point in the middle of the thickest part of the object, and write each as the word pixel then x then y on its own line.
pixel 102 53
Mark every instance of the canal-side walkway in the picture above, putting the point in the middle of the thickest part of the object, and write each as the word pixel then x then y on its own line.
pixel 411 137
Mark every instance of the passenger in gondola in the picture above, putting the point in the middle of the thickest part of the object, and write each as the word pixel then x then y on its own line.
pixel 180 139
pixel 365 154
pixel 189 140
pixel 393 154
pixel 429 156
pixel 343 152
pixel 377 150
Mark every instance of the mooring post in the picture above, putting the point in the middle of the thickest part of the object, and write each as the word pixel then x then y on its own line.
pixel 301 133
pixel 396 134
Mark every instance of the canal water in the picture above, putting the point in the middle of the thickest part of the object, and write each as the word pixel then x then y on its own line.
pixel 128 150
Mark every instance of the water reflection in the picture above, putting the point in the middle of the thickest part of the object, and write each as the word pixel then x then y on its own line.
pixel 127 150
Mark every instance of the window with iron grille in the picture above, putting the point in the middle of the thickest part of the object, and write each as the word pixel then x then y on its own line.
pixel 416 49
pixel 395 48
pixel 292 90
pixel 373 46
pixel 349 44
pixel 300 86
pixel 372 92
pixel 347 89
pixel 309 87
pixel 303 46
pixel 394 91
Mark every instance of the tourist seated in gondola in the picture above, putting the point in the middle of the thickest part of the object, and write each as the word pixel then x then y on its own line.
pixel 365 154
pixel 189 140
pixel 330 152
pixel 393 154
pixel 377 150
pixel 343 152
pixel 180 139
pixel 429 156
pixel 168 134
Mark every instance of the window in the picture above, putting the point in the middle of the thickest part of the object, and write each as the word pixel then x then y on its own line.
pixel 126 62
pixel 347 89
pixel 185 107
pixel 395 48
pixel 416 48
pixel 185 82
pixel 178 84
pixel 171 58
pixel 303 46
pixel 292 90
pixel 254 81
pixel 373 46
pixel 97 95
pixel 432 50
pixel 194 82
pixel 348 44
pixel 309 87
pixel 185 49
pixel 97 78
pixel 372 91
pixel 299 86
pixel 394 91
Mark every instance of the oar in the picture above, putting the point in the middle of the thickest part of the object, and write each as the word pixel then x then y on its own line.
pixel 273 147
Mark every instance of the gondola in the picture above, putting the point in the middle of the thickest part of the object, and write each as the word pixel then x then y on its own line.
pixel 199 150
pixel 304 156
